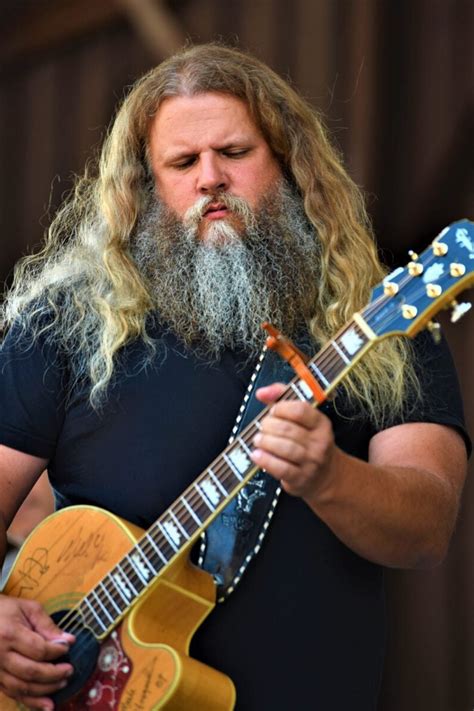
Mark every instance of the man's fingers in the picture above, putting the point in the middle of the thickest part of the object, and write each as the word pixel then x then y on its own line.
pixel 31 644
pixel 287 449
pixel 18 686
pixel 42 623
pixel 29 671
pixel 273 465
pixel 32 702
pixel 270 393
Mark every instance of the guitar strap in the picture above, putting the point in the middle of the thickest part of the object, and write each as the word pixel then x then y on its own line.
pixel 234 538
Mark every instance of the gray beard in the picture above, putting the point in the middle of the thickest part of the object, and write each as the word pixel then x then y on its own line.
pixel 214 293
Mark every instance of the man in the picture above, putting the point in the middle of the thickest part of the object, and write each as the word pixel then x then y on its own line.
pixel 219 203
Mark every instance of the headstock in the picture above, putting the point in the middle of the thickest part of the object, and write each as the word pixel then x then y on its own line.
pixel 408 298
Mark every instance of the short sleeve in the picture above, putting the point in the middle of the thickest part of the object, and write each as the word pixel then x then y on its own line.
pixel 440 400
pixel 31 394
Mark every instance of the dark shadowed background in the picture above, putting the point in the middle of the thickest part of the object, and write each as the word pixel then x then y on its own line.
pixel 395 79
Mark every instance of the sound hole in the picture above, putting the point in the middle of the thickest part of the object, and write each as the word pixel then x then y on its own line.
pixel 82 655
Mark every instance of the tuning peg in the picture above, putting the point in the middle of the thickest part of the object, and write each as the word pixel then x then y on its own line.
pixel 459 310
pixel 435 329
pixel 440 249
pixel 457 270
pixel 415 268
pixel 409 311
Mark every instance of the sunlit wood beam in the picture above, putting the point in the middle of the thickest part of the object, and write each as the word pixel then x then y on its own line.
pixel 158 28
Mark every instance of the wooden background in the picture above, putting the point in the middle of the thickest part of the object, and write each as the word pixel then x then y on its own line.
pixel 395 79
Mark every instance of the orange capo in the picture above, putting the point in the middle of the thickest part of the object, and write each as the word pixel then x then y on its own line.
pixel 289 352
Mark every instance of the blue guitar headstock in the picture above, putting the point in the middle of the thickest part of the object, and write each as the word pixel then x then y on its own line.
pixel 408 298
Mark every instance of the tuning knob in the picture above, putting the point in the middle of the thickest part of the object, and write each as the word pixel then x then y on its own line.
pixel 435 329
pixel 409 311
pixel 459 310
pixel 440 249
pixel 415 268
pixel 433 290
pixel 457 270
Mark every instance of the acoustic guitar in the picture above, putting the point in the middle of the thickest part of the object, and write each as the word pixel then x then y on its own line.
pixel 131 597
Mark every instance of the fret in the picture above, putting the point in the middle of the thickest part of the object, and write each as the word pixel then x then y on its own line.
pixel 141 560
pixel 244 445
pixel 178 524
pixel 97 597
pixel 191 512
pixel 204 497
pixel 123 583
pixel 240 460
pixel 306 390
pixel 94 613
pixel 133 579
pixel 340 352
pixel 216 481
pixel 156 548
pixel 314 368
pixel 164 543
pixel 168 537
pixel 122 594
pixel 298 392
pixel 201 507
pixel 353 339
pixel 137 566
pixel 117 608
pixel 233 467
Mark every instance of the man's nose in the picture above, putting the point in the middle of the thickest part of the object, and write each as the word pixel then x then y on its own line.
pixel 212 175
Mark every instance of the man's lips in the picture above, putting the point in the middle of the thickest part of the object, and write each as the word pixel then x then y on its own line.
pixel 216 211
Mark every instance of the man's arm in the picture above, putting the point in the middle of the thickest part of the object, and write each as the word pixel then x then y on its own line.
pixel 398 510
pixel 29 640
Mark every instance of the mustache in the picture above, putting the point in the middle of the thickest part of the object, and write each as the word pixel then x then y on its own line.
pixel 238 206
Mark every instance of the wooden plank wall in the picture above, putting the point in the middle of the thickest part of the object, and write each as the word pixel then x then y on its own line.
pixel 395 80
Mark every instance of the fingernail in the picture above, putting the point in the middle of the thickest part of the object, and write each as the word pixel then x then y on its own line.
pixel 257 439
pixel 64 639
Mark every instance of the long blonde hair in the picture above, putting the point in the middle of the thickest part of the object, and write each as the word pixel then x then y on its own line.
pixel 86 278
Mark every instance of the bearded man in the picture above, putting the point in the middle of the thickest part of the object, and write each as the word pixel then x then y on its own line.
pixel 134 337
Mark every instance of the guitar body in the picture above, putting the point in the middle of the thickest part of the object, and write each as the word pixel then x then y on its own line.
pixel 143 664
pixel 140 662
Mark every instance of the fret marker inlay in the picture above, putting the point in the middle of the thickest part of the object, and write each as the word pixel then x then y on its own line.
pixel 240 460
pixel 141 566
pixel 351 341
pixel 305 389
pixel 171 531
pixel 210 491
pixel 122 586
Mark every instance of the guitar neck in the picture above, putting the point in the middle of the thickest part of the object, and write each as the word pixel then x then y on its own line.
pixel 182 523
pixel 402 304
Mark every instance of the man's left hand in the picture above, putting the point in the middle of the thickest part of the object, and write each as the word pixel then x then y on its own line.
pixel 295 444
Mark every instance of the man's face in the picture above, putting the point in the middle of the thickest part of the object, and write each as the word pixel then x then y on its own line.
pixel 204 145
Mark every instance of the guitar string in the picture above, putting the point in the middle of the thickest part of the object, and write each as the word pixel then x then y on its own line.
pixel 325 360
pixel 289 394
pixel 184 517
pixel 178 507
pixel 126 566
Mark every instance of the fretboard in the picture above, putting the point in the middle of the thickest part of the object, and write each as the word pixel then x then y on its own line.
pixel 181 524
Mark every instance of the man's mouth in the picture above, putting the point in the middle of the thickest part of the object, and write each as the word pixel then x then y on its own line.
pixel 216 210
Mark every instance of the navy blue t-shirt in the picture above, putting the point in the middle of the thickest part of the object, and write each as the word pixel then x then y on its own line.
pixel 305 627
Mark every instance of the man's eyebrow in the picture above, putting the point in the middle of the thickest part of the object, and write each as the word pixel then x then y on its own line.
pixel 179 154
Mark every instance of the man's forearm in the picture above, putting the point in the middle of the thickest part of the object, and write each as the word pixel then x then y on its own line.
pixel 394 516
